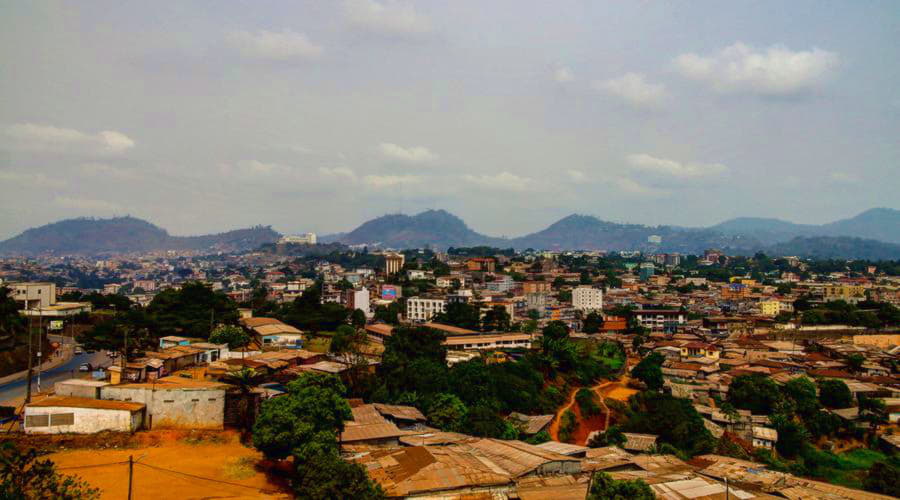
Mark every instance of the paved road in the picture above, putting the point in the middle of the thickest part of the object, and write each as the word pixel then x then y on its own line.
pixel 16 389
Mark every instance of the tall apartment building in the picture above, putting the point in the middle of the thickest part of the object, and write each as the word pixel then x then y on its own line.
pixel 587 298
pixel 423 309
pixel 358 299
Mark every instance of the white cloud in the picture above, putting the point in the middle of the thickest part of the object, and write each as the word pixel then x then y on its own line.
pixel 31 179
pixel 49 138
pixel 340 172
pixel 576 175
pixel 104 170
pixel 634 88
pixel 632 186
pixel 673 168
pixel 86 204
pixel 773 71
pixel 563 75
pixel 284 46
pixel 412 154
pixel 388 18
pixel 843 178
pixel 504 181
pixel 385 181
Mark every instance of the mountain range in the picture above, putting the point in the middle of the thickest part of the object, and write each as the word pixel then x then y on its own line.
pixel 127 234
pixel 873 234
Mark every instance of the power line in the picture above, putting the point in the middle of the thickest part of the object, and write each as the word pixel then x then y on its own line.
pixel 262 490
pixel 90 466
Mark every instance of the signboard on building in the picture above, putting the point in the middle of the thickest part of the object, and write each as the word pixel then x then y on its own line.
pixel 389 292
pixel 56 324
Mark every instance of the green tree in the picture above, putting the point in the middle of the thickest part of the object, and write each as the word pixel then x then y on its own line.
pixel 304 421
pixel 604 487
pixel 447 413
pixel 592 323
pixel 23 476
pixel 326 476
pixel 232 335
pixel 757 393
pixel 567 425
pixel 649 371
pixel 855 362
pixel 191 311
pixel 673 419
pixel 244 379
pixel 461 315
pixel 872 411
pixel 883 478
pixel 358 318
pixel 11 322
pixel 496 319
pixel 130 327
pixel 612 436
pixel 802 392
pixel 834 393
pixel 792 436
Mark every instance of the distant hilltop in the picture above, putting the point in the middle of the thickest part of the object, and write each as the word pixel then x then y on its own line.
pixel 127 234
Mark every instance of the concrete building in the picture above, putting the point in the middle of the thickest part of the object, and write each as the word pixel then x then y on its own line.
pixel 358 299
pixel 423 309
pixel 585 298
pixel 646 270
pixel 502 283
pixel 39 299
pixel 393 263
pixel 34 295
pixel 660 319
pixel 175 402
pixel 300 239
pixel 67 414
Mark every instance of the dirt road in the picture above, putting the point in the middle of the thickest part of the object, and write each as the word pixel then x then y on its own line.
pixel 221 469
pixel 613 389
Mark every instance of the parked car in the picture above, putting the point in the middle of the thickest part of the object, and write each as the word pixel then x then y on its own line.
pixel 79 350
pixel 84 367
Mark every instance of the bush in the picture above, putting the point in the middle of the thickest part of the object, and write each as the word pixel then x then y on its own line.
pixel 567 426
pixel 587 402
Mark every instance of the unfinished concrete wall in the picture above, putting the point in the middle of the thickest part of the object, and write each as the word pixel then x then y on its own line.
pixel 179 408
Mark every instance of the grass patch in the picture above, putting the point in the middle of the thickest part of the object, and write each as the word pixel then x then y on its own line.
pixel 241 468
pixel 318 344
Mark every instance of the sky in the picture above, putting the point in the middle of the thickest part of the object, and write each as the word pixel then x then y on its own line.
pixel 205 116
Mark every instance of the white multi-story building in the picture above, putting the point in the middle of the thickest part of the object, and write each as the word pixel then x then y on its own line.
pixel 302 239
pixel 358 299
pixel 587 298
pixel 423 309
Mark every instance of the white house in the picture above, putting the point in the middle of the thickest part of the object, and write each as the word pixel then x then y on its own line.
pixel 64 414
pixel 764 437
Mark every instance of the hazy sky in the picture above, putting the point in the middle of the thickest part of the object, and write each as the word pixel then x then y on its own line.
pixel 315 116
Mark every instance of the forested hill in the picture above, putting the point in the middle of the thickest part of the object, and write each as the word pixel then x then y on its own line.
pixel 126 234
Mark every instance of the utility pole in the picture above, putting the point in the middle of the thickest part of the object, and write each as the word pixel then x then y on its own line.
pixel 30 372
pixel 40 359
pixel 130 473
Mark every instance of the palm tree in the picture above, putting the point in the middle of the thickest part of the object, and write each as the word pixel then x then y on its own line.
pixel 244 379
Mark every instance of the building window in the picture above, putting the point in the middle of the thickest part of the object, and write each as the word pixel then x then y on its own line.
pixel 37 420
pixel 62 419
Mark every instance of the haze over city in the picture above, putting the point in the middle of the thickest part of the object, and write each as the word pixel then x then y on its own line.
pixel 316 116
